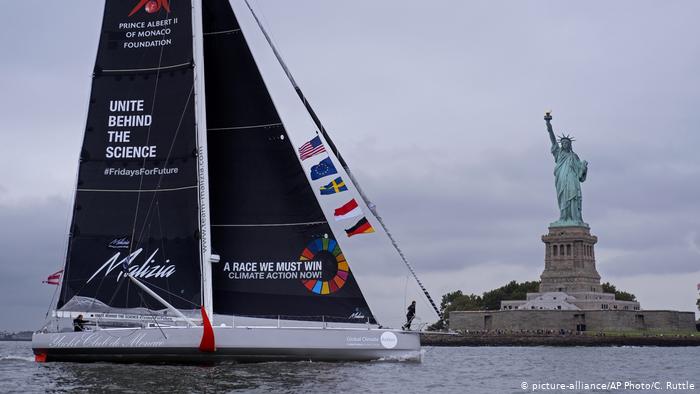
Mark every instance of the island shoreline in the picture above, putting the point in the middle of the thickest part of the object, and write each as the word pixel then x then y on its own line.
pixel 446 339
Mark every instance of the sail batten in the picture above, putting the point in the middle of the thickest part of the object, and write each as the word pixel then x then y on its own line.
pixel 211 33
pixel 149 69
pixel 270 224
pixel 255 126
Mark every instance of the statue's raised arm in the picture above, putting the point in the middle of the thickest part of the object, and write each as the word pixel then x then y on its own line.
pixel 550 129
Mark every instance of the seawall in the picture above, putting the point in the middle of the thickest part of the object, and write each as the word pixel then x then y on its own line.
pixel 441 339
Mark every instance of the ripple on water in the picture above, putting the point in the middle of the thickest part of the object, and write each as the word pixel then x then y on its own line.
pixel 443 370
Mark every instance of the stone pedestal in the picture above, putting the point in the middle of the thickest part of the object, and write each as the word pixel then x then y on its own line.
pixel 570 280
pixel 569 263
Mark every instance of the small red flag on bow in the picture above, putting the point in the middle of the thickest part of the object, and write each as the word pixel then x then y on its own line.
pixel 53 279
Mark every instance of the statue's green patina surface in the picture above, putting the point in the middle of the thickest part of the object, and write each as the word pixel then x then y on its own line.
pixel 569 172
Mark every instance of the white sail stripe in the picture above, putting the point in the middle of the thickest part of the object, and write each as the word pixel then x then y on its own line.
pixel 146 69
pixel 270 225
pixel 139 191
pixel 244 127
pixel 221 32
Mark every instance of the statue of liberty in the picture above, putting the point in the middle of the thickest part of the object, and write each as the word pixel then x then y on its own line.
pixel 569 172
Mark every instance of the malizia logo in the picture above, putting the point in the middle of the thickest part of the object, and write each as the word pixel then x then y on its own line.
pixel 151 6
pixel 119 243
pixel 148 269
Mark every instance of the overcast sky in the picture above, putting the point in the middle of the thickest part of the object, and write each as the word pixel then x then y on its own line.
pixel 437 106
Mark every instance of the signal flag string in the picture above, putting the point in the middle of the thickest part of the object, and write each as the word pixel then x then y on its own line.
pixel 342 162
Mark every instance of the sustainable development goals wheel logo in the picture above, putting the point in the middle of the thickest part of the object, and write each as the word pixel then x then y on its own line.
pixel 326 249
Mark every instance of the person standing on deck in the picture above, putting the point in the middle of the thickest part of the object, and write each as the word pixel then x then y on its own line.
pixel 410 315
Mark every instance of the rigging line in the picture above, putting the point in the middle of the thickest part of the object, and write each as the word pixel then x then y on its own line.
pixel 71 213
pixel 52 299
pixel 99 286
pixel 244 127
pixel 148 308
pixel 298 90
pixel 162 238
pixel 173 294
pixel 143 163
pixel 372 208
pixel 213 33
pixel 334 149
pixel 66 244
pixel 114 294
pixel 271 224
pixel 165 163
pixel 146 228
pixel 405 291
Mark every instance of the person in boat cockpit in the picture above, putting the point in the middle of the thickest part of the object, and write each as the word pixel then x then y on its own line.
pixel 78 323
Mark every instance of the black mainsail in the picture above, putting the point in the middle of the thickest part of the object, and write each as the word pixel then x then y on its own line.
pixel 279 256
pixel 137 202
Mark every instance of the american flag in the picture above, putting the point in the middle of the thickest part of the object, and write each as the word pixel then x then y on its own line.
pixel 311 148
pixel 54 278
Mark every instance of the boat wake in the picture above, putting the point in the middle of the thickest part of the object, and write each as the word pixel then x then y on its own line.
pixel 412 357
pixel 17 358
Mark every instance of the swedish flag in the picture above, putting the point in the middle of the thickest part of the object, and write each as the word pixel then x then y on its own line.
pixel 336 186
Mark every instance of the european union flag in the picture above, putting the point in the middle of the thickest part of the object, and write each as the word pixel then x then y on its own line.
pixel 336 186
pixel 324 168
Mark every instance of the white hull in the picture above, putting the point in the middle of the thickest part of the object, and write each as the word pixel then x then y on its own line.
pixel 181 344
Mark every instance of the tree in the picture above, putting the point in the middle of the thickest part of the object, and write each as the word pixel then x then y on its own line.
pixel 491 300
pixel 511 291
pixel 456 301
pixel 619 294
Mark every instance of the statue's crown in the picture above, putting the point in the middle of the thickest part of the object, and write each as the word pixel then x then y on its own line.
pixel 566 137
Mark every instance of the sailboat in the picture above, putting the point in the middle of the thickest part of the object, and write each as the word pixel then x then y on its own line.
pixel 213 218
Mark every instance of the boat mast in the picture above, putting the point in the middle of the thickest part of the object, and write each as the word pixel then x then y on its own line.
pixel 202 162
pixel 335 151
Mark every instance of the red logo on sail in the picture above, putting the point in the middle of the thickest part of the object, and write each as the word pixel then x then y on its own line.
pixel 151 6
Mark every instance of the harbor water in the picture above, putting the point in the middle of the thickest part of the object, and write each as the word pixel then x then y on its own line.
pixel 442 370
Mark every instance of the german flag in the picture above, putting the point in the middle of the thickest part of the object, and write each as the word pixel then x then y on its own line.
pixel 362 227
